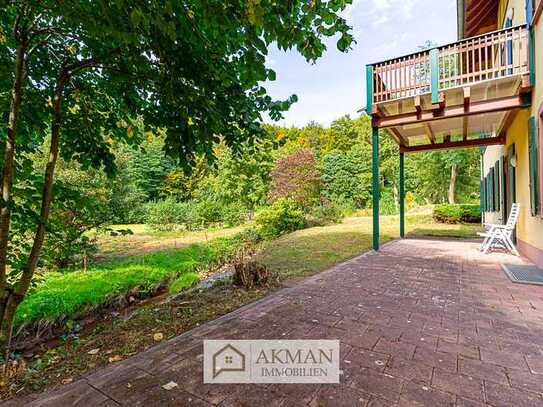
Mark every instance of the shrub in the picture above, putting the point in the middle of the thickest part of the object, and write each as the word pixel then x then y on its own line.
pixel 283 216
pixel 324 214
pixel 250 235
pixel 455 213
pixel 347 177
pixel 233 214
pixel 209 211
pixel 165 215
pixel 252 274
pixel 297 177
pixel 388 202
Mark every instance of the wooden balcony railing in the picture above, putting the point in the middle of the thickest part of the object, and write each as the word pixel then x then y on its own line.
pixel 492 56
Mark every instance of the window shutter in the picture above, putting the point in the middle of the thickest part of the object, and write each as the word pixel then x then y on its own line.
pixel 482 195
pixel 497 186
pixel 534 167
pixel 492 192
pixel 503 190
pixel 488 193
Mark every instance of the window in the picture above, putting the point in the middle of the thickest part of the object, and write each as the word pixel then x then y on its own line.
pixel 533 158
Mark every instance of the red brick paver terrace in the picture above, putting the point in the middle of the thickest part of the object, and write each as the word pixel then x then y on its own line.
pixel 421 323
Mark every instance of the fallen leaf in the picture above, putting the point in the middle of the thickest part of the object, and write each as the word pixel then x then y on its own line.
pixel 115 358
pixel 158 337
pixel 93 351
pixel 169 386
pixel 68 380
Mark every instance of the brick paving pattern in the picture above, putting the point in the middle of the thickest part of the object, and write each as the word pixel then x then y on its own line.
pixel 421 323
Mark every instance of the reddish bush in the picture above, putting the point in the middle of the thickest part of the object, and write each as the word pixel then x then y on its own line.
pixel 297 177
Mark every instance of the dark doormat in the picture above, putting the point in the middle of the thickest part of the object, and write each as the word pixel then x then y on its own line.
pixel 523 274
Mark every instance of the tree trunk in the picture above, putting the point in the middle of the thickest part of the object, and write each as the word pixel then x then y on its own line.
pixel 7 176
pixel 20 289
pixel 452 184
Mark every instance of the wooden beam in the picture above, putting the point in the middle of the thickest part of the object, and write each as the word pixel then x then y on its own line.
pixel 525 84
pixel 400 139
pixel 378 111
pixel 467 97
pixel 455 144
pixel 440 105
pixel 465 127
pixel 496 105
pixel 418 104
pixel 537 13
pixel 430 133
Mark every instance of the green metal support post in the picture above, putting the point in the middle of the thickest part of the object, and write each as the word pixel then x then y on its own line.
pixel 375 184
pixel 402 197
pixel 434 74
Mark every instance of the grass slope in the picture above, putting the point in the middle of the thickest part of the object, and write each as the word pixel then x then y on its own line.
pixel 73 292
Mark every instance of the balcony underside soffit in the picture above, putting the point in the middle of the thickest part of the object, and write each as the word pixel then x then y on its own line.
pixel 468 116
pixel 480 16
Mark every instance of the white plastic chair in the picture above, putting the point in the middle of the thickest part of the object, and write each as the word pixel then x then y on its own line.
pixel 500 235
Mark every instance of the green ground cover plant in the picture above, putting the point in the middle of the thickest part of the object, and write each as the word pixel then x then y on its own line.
pixel 457 213
pixel 283 216
pixel 72 293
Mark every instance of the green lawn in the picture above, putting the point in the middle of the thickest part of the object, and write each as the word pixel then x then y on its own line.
pixel 145 240
pixel 311 250
pixel 65 295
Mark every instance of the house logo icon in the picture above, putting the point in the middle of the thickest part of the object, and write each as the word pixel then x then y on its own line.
pixel 228 359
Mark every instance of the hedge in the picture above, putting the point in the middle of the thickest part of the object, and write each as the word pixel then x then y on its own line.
pixel 456 213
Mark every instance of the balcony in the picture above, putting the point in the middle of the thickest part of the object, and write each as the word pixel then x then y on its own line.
pixel 460 94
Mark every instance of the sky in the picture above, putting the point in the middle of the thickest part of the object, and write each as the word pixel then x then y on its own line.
pixel 335 85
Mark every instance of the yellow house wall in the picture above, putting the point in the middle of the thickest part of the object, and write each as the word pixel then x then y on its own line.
pixel 519 12
pixel 501 12
pixel 530 228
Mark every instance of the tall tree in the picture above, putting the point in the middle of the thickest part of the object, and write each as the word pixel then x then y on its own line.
pixel 89 72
